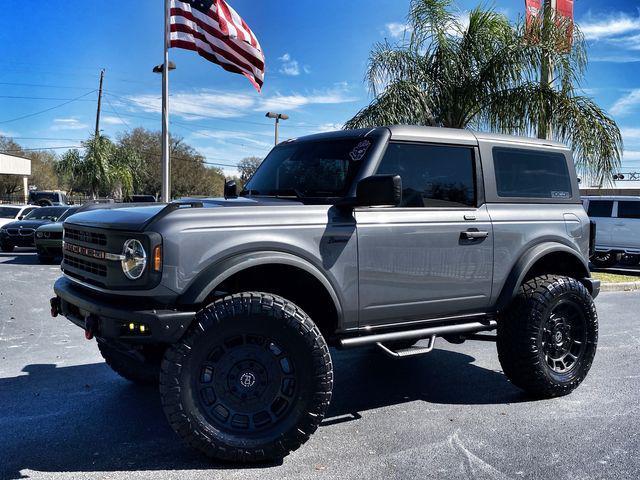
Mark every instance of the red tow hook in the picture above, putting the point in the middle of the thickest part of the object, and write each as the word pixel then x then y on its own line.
pixel 55 306
pixel 91 325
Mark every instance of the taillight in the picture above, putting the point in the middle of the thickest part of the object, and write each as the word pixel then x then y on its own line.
pixel 157 259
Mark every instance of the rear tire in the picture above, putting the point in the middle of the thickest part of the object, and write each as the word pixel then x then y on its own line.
pixel 139 364
pixel 250 381
pixel 547 338
pixel 605 259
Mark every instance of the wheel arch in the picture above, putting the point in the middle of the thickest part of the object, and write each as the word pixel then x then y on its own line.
pixel 250 270
pixel 544 258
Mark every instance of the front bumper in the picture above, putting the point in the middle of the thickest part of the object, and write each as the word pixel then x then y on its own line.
pixel 18 240
pixel 109 316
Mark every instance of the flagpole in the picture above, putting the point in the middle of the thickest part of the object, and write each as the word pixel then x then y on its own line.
pixel 166 161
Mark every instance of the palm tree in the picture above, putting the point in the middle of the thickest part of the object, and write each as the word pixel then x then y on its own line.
pixel 485 74
pixel 102 168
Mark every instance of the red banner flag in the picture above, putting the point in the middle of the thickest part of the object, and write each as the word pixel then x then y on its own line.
pixel 565 8
pixel 533 8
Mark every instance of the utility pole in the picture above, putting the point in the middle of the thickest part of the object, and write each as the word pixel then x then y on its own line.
pixel 546 69
pixel 99 103
pixel 278 117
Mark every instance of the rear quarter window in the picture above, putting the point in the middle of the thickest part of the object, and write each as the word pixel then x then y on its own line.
pixel 524 173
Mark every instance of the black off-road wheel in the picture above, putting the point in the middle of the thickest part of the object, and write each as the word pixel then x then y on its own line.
pixel 630 260
pixel 6 247
pixel 250 381
pixel 605 259
pixel 138 364
pixel 547 338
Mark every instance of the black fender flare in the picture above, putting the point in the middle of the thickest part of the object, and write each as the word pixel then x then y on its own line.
pixel 217 273
pixel 528 260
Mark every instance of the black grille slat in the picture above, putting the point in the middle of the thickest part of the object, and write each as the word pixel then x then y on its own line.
pixel 93 238
pixel 85 266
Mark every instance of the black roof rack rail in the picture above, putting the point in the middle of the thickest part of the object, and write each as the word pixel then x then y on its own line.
pixel 170 207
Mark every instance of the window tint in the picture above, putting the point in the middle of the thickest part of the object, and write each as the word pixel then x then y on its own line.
pixel 432 175
pixel 531 174
pixel 628 209
pixel 600 208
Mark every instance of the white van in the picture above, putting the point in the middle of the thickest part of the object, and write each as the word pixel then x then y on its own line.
pixel 617 221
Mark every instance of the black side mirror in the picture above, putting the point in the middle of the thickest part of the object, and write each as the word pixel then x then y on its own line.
pixel 379 191
pixel 20 217
pixel 230 189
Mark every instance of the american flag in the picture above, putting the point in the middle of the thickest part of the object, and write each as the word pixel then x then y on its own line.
pixel 215 30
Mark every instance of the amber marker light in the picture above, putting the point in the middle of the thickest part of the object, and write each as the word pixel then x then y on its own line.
pixel 157 258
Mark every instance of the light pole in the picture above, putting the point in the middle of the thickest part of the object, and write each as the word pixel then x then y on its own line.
pixel 278 117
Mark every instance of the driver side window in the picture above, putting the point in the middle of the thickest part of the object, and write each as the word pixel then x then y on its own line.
pixel 432 175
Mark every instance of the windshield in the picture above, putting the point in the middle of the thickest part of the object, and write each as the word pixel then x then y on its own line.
pixel 46 213
pixel 8 212
pixel 67 214
pixel 310 169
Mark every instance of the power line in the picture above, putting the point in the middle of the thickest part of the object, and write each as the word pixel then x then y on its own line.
pixel 29 115
pixel 18 150
pixel 18 97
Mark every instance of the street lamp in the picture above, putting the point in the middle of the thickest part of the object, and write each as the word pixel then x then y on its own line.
pixel 278 117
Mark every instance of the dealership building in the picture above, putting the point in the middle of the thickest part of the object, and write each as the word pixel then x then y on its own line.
pixel 12 165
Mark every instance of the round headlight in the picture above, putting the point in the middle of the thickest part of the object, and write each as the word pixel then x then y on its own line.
pixel 135 259
pixel 39 234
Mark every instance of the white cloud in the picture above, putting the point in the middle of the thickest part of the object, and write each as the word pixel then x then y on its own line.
pixel 630 136
pixel 112 121
pixel 611 26
pixel 627 103
pixel 198 105
pixel 329 127
pixel 233 137
pixel 631 155
pixel 70 123
pixel 397 29
pixel 216 104
pixel 289 65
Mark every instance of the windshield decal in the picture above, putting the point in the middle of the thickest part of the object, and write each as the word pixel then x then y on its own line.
pixel 360 150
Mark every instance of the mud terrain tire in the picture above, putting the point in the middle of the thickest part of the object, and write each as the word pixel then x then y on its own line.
pixel 250 381
pixel 547 337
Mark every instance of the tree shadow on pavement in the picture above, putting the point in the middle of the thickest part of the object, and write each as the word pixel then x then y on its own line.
pixel 85 419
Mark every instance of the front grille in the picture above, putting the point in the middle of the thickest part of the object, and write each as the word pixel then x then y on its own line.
pixel 55 235
pixel 23 232
pixel 71 234
pixel 85 266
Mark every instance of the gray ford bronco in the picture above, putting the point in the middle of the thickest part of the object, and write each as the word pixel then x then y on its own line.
pixel 384 237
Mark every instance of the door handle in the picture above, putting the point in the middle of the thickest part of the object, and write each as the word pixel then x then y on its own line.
pixel 473 235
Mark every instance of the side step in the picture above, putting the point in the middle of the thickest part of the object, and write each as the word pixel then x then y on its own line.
pixel 408 352
pixel 419 334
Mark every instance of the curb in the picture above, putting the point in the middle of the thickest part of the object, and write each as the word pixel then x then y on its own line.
pixel 620 287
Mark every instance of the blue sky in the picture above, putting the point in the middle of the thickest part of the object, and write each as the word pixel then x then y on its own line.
pixel 51 52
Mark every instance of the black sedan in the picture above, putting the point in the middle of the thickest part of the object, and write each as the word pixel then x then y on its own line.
pixel 21 233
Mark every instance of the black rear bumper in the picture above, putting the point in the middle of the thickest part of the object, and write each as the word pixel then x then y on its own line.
pixel 117 317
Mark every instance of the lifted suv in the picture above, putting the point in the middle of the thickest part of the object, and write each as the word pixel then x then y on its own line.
pixel 380 237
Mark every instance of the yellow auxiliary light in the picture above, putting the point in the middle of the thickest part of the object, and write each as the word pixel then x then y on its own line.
pixel 142 328
pixel 132 326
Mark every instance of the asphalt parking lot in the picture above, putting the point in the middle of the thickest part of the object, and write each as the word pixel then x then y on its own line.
pixel 450 414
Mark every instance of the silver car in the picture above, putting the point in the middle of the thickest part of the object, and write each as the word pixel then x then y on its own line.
pixel 388 237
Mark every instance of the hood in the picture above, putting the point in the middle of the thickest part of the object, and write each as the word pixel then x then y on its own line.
pixel 136 218
pixel 51 227
pixel 27 224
